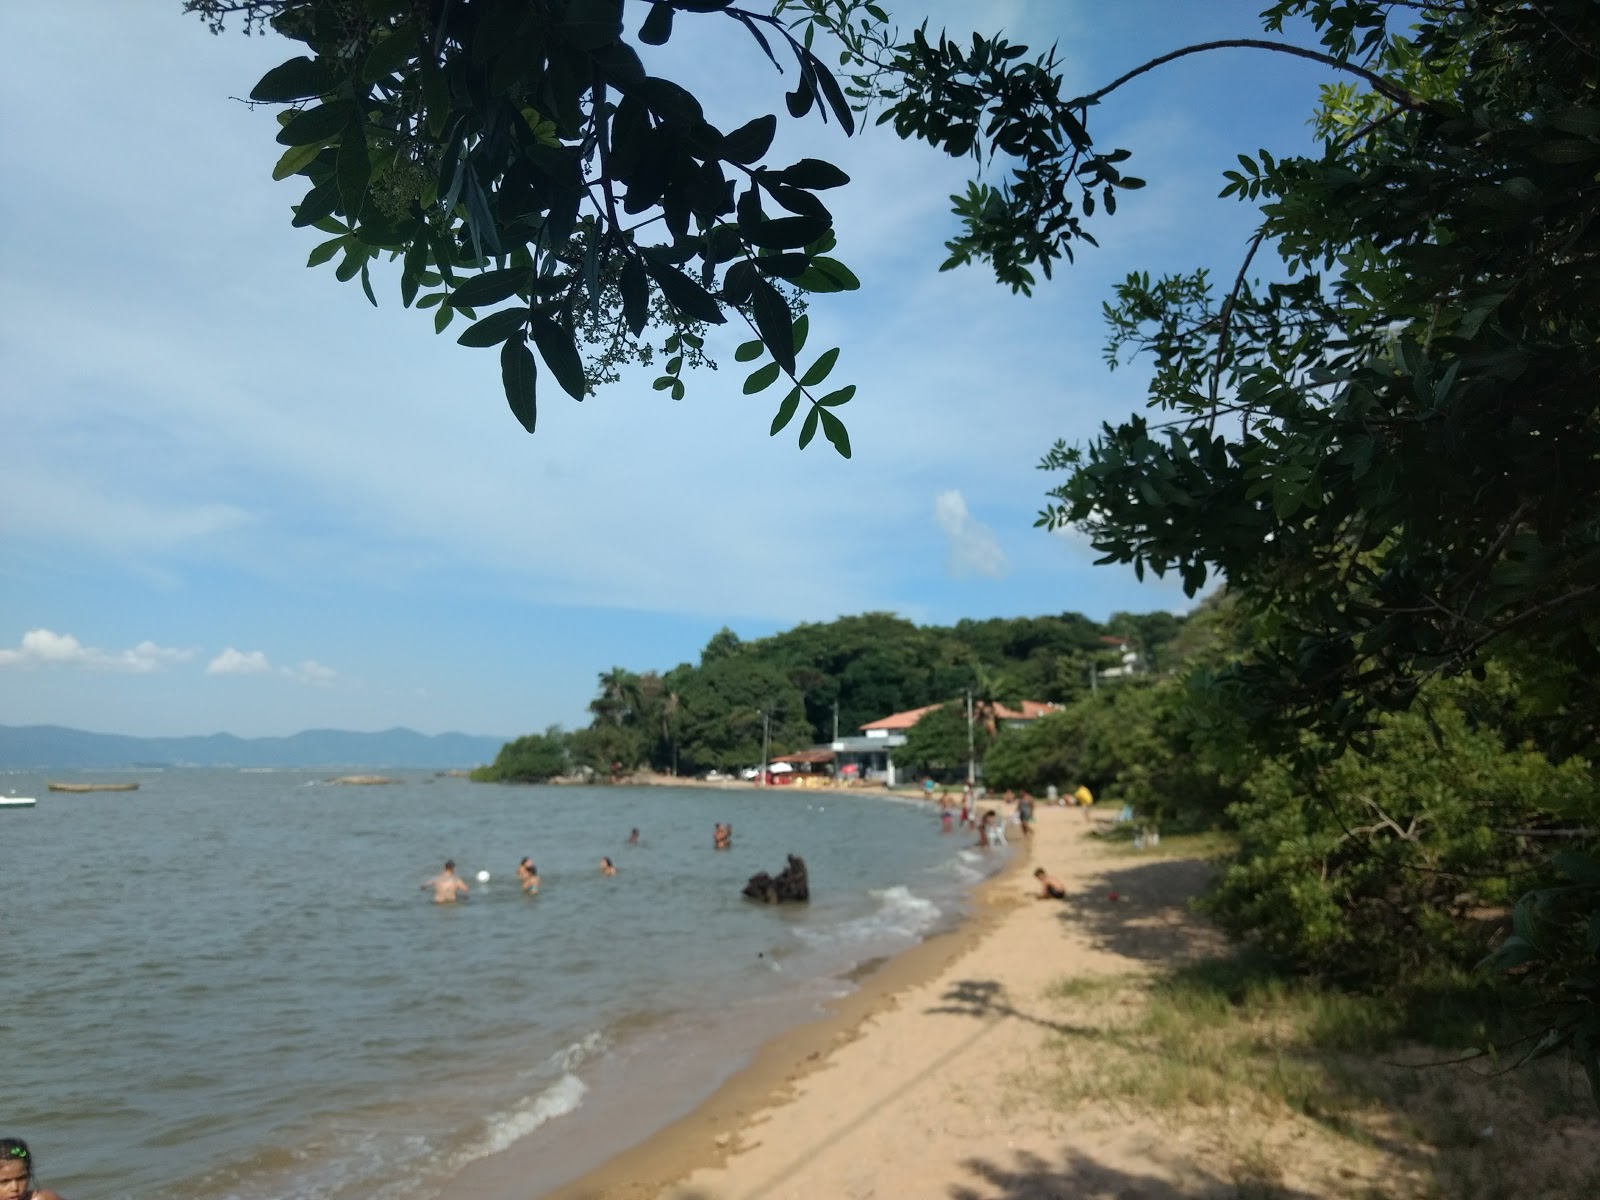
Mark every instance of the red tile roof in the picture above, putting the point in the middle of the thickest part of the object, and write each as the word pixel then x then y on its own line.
pixel 1030 710
pixel 896 722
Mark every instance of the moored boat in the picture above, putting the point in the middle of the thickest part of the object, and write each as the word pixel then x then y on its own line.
pixel 17 801
pixel 93 787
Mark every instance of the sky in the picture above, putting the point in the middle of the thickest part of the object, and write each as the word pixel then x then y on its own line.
pixel 235 497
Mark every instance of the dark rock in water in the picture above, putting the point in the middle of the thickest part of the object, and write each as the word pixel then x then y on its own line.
pixel 789 884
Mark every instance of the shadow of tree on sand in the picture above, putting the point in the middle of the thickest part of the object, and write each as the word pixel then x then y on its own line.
pixel 1077 1176
pixel 986 999
pixel 1150 920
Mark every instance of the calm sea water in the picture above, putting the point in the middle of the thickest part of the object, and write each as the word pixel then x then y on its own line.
pixel 227 985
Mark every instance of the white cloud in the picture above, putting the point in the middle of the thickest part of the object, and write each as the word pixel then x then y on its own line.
pixel 256 662
pixel 46 648
pixel 973 548
pixel 239 662
pixel 311 672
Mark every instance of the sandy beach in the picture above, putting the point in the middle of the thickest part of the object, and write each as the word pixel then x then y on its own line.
pixel 915 1086
pixel 943 1077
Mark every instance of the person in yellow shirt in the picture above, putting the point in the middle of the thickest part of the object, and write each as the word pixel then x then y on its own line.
pixel 1083 795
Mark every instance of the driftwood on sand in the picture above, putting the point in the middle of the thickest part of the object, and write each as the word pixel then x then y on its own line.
pixel 790 884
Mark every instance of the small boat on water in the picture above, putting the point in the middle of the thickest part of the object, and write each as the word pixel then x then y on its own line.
pixel 17 801
pixel 93 787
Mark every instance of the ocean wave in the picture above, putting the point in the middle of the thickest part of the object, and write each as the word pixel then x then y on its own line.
pixel 960 868
pixel 570 1058
pixel 900 913
pixel 505 1128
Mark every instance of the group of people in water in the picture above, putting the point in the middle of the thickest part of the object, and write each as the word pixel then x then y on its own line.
pixel 991 824
pixel 448 887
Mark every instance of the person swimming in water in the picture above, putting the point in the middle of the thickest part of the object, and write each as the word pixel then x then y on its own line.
pixel 1050 888
pixel 446 885
pixel 16 1173
pixel 633 838
pixel 529 874
pixel 607 867
pixel 721 836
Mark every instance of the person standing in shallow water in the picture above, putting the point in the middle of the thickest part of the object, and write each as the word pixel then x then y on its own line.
pixel 607 867
pixel 633 838
pixel 529 875
pixel 16 1173
pixel 447 885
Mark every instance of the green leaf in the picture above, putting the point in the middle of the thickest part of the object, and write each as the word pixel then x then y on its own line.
pixel 492 287
pixel 785 232
pixel 826 275
pixel 833 429
pixel 389 55
pixel 316 125
pixel 635 296
pixel 519 376
pixel 761 379
pixel 748 351
pixel 842 396
pixel 366 285
pixel 315 206
pixel 663 382
pixel 591 24
pixel 442 318
pixel 813 174
pixel 657 27
pixel 785 412
pixel 493 329
pixel 324 252
pixel 298 79
pixel 294 160
pixel 559 350
pixel 819 369
pixel 808 428
pixel 353 169
pixel 773 322
pixel 350 265
pixel 802 327
pixel 684 294
pixel 750 141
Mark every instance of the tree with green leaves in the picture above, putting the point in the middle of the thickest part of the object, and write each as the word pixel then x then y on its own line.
pixel 532 759
pixel 1389 450
pixel 530 175
pixel 937 743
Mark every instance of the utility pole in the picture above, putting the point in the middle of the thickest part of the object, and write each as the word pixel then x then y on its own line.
pixel 766 733
pixel 972 763
pixel 836 720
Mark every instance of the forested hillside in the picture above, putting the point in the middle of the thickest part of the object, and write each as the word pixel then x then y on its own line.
pixel 814 678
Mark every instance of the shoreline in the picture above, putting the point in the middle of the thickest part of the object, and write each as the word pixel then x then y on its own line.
pixel 706 1137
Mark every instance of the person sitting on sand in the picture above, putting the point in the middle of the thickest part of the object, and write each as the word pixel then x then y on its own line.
pixel 1050 888
pixel 16 1173
pixel 607 867
pixel 529 874
pixel 446 885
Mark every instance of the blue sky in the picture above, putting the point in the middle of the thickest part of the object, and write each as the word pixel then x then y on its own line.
pixel 239 498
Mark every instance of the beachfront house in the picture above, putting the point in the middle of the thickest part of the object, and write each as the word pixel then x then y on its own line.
pixel 879 738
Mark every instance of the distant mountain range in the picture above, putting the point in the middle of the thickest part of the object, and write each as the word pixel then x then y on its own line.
pixel 26 747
